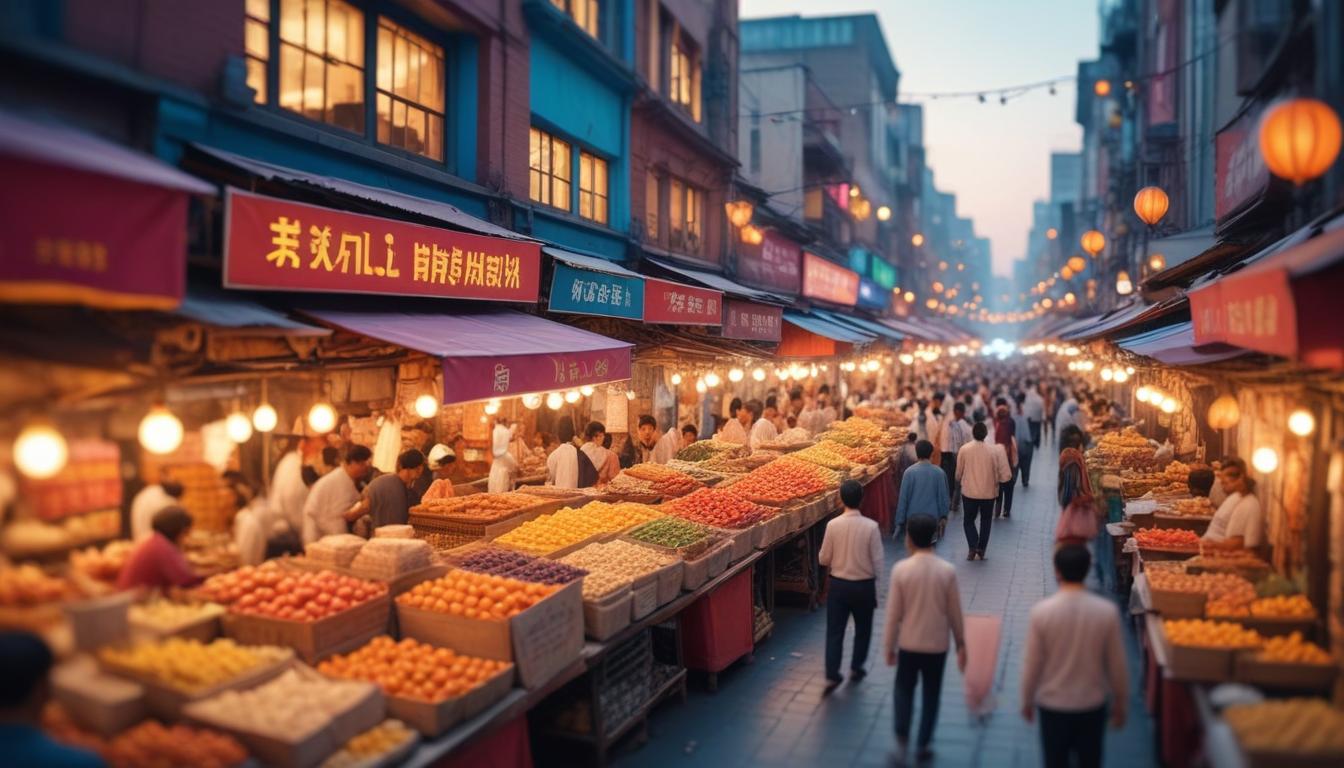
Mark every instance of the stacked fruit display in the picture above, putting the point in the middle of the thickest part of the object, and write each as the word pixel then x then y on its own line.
pixel 1199 506
pixel 783 480
pixel 102 564
pixel 866 454
pixel 478 507
pixel 823 456
pixel 1170 480
pixel 280 593
pixel 1218 586
pixel 1126 449
pixel 671 533
pixel 1228 559
pixel 387 558
pixel 705 449
pixel 864 429
pixel 411 669
pixel 569 526
pixel 291 706
pixel 737 465
pixel 614 564
pixel 191 665
pixel 1167 538
pixel 372 746
pixel 1283 607
pixel 475 595
pixel 1292 649
pixel 150 744
pixel 661 480
pixel 1297 727
pixel 719 508
pixel 337 550
pixel 497 561
pixel 1201 633
pixel 28 585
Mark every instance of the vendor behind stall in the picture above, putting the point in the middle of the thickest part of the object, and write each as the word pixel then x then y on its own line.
pixel 333 495
pixel 503 465
pixel 1239 522
pixel 158 562
pixel 437 482
pixel 645 446
pixel 763 427
pixel 595 448
pixel 386 499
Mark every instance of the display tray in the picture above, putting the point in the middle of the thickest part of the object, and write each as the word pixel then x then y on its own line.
pixel 1185 522
pixel 540 641
pixel 459 531
pixel 315 640
pixel 607 615
pixel 167 702
pixel 1178 605
pixel 643 597
pixel 710 564
pixel 1273 626
pixel 1252 669
pixel 392 757
pixel 1165 553
pixel 433 719
pixel 741 541
pixel 772 530
pixel 103 703
pixel 395 585
pixel 204 628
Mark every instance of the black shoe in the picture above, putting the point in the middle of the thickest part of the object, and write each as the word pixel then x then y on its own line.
pixel 831 684
pixel 970 555
pixel 924 754
pixel 856 675
pixel 980 554
pixel 1007 515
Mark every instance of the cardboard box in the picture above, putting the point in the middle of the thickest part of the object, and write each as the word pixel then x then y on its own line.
pixel 1253 669
pixel 435 719
pixel 103 703
pixel 315 640
pixel 205 628
pixel 1178 605
pixel 167 702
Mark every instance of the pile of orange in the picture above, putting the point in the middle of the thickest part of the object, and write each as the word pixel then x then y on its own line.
pixel 475 595
pixel 413 670
pixel 783 480
pixel 1293 649
pixel 1211 634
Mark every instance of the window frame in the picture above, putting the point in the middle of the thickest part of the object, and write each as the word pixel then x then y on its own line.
pixel 444 145
pixel 604 197
pixel 548 174
pixel 277 56
pixel 685 216
pixel 679 47
pixel 598 30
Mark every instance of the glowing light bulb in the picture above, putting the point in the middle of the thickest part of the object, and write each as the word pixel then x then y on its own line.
pixel 676 379
pixel 426 406
pixel 160 431
pixel 322 418
pixel 907 359
pixel 1301 422
pixel 1121 377
pixel 735 375
pixel 1107 374
pixel 40 451
pixel 238 427
pixel 700 386
pixel 264 418
pixel 491 408
pixel 555 401
pixel 1142 394
pixel 1170 405
pixel 531 402
pixel 630 394
pixel 1265 460
pixel 572 396
pixel 586 391
pixel 758 374
pixel 712 379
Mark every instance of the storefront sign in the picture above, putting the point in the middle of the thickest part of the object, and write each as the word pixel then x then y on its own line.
pixel 666 302
pixel 72 237
pixel 774 264
pixel 1253 311
pixel 589 292
pixel 884 274
pixel 859 259
pixel 829 282
pixel 475 378
pixel 751 321
pixel 872 295
pixel 272 244
pixel 1241 174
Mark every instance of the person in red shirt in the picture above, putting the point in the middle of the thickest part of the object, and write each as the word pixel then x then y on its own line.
pixel 158 562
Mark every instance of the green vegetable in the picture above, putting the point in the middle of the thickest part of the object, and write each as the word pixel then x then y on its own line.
pixel 670 532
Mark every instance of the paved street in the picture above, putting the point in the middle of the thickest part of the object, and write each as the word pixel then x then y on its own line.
pixel 771 712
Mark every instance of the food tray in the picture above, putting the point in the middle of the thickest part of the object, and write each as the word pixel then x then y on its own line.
pixel 772 530
pixel 643 597
pixel 669 579
pixel 1250 668
pixel 1186 522
pixel 204 628
pixel 1198 664
pixel 315 640
pixel 1164 553
pixel 433 719
pixel 1178 605
pixel 705 567
pixel 607 615
pixel 167 702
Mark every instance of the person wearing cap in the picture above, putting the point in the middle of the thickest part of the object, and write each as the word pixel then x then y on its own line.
pixel 436 482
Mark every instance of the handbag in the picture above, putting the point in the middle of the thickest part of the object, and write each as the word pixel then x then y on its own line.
pixel 1078 520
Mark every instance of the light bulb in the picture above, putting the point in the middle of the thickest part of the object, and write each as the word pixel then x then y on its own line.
pixel 758 374
pixel 1107 374
pixel 40 451
pixel 1129 369
pixel 735 375
pixel 782 374
pixel 426 406
pixel 160 431
pixel 1265 460
pixel 322 418
pixel 630 395
pixel 238 427
pixel 813 372
pixel 907 359
pixel 1121 377
pixel 555 401
pixel 586 391
pixel 676 379
pixel 572 396
pixel 491 408
pixel 1301 422
pixel 531 402
pixel 1170 405
pixel 1143 393
pixel 700 386
pixel 264 418
pixel 712 379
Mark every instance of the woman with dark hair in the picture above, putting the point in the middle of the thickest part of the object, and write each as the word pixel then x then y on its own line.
pixel 1239 522
pixel 1074 483
pixel 1005 434
pixel 158 562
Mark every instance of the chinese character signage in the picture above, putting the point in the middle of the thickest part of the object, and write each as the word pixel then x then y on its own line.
pixel 72 237
pixel 477 378
pixel 872 295
pixel 677 304
pixel 588 292
pixel 829 282
pixel 273 244
pixel 774 265
pixel 751 321
pixel 1253 311
pixel 1240 172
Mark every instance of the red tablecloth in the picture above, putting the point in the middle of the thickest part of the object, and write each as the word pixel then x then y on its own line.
pixel 507 747
pixel 879 499
pixel 716 630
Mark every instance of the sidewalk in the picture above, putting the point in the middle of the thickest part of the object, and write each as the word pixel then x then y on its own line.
pixel 771 712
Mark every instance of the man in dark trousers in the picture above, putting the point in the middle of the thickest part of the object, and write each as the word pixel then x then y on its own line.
pixel 852 551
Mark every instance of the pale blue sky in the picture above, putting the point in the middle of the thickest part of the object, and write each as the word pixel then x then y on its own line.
pixel 994 157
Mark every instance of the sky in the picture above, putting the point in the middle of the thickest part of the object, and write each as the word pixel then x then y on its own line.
pixel 996 158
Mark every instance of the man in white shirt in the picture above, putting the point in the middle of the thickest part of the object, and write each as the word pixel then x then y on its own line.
pixel 332 497
pixel 562 466
pixel 923 608
pixel 1034 409
pixel 1239 522
pixel 288 490
pixel 763 430
pixel 1074 658
pixel 739 419
pixel 150 501
pixel 668 445
pixel 981 467
pixel 852 550
pixel 956 432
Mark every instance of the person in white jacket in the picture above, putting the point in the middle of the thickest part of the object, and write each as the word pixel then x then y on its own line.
pixel 502 464
pixel 150 501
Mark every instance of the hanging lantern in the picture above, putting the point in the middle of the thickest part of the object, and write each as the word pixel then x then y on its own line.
pixel 1301 422
pixel 700 386
pixel 758 374
pixel 1077 263
pixel 491 408
pixel 712 379
pixel 573 396
pixel 735 375
pixel 739 212
pixel 1151 205
pixel 1123 285
pixel 1102 87
pixel 883 213
pixel 752 235
pixel 322 418
pixel 1093 241
pixel 160 431
pixel 586 391
pixel 1066 272
pixel 916 239
pixel 909 297
pixel 238 427
pixel 426 406
pixel 1224 413
pixel 555 401
pixel 531 402
pixel 1300 139
pixel 1051 233
pixel 40 451
pixel 1070 298
pixel 1157 262
pixel 264 418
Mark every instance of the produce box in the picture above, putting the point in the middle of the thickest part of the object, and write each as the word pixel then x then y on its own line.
pixel 741 541
pixel 1178 605
pixel 605 617
pixel 710 564
pixel 643 597
pixel 205 627
pixel 772 530
pixel 1198 664
pixel 315 640
pixel 1274 626
pixel 100 621
pixel 434 719
pixel 1253 669
pixel 1158 554
pixel 1188 522
pixel 396 755
pixel 167 702
pixel 396 585
pixel 102 703
pixel 540 641
pixel 669 579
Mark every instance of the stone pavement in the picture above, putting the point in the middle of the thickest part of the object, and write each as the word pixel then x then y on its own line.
pixel 771 712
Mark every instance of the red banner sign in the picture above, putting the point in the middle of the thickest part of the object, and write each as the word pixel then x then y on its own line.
pixel 1253 311
pixel 1240 171
pixel 678 304
pixel 774 264
pixel 473 378
pixel 72 237
pixel 273 244
pixel 751 321
pixel 829 282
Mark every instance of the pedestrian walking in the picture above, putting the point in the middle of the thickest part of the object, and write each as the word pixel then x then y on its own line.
pixel 923 609
pixel 1074 661
pixel 980 468
pixel 923 491
pixel 956 432
pixel 1033 407
pixel 851 550
pixel 1027 440
pixel 1005 431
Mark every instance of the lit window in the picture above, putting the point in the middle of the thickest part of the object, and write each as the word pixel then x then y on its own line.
pixel 549 172
pixel 592 188
pixel 652 203
pixel 683 82
pixel 322 62
pixel 257 43
pixel 410 91
pixel 694 225
pixel 586 13
pixel 685 217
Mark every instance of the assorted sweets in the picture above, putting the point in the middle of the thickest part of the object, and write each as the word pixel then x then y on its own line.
pixel 718 508
pixel 292 705
pixel 569 526
pixel 783 480
pixel 671 533
pixel 475 595
pixel 149 744
pixel 372 745
pixel 1167 538
pixel 613 565
pixel 410 669
pixel 191 665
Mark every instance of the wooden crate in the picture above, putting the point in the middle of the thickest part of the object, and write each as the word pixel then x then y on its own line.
pixel 433 719
pixel 772 530
pixel 1158 554
pixel 1276 627
pixel 1252 669
pixel 315 640
pixel 1187 522
pixel 168 702
pixel 605 617
pixel 1178 605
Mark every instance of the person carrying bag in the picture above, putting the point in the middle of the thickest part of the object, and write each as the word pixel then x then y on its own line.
pixel 1078 518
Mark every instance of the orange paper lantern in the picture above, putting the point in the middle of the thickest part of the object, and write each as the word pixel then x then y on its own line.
pixel 1300 139
pixel 1077 263
pixel 1151 205
pixel 1066 272
pixel 1093 241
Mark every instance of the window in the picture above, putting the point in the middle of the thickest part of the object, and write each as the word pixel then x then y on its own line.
pixel 322 62
pixel 754 152
pixel 652 204
pixel 256 35
pixel 586 13
pixel 694 225
pixel 683 76
pixel 410 91
pixel 685 217
pixel 592 188
pixel 549 171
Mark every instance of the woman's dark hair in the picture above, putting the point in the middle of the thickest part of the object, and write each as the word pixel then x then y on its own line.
pixel 689 429
pixel 357 454
pixel 565 431
pixel 735 406
pixel 920 528
pixel 593 429
pixel 772 402
pixel 979 431
pixel 755 407
pixel 25 661
pixel 1200 481
pixel 1071 437
pixel 410 459
pixel 647 420
pixel 172 523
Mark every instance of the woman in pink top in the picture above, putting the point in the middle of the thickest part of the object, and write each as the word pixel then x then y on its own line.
pixel 158 562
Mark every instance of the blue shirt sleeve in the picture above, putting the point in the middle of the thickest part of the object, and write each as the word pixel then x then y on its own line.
pixel 944 501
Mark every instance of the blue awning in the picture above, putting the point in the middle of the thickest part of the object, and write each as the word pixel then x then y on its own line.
pixel 862 324
pixel 1175 345
pixel 820 326
pixel 237 312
